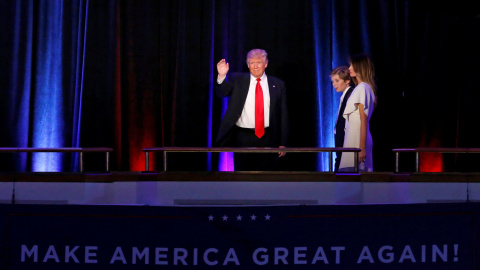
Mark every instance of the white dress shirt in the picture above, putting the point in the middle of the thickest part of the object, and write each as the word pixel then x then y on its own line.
pixel 247 118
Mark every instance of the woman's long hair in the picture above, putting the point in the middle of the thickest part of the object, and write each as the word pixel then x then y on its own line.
pixel 363 67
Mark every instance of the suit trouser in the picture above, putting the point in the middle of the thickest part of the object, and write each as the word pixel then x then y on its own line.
pixel 245 137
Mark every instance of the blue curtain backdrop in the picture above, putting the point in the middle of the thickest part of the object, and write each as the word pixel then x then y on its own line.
pixel 42 59
pixel 132 74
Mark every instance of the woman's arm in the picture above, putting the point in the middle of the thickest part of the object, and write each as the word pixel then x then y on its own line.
pixel 363 132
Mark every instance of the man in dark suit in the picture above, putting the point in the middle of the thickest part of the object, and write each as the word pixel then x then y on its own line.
pixel 256 115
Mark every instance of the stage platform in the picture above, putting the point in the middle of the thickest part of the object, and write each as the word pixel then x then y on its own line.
pixel 237 188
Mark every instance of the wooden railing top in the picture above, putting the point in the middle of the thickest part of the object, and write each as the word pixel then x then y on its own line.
pixel 249 149
pixel 55 149
pixel 438 150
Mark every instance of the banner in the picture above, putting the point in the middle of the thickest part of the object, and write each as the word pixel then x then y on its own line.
pixel 418 236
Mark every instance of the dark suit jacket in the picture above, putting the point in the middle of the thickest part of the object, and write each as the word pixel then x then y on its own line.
pixel 236 86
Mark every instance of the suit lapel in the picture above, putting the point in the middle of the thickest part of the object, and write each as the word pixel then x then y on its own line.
pixel 272 87
pixel 273 90
pixel 245 85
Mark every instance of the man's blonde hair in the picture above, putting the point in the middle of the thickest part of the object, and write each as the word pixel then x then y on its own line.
pixel 257 53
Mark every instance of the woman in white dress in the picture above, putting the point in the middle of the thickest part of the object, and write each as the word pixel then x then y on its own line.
pixel 357 115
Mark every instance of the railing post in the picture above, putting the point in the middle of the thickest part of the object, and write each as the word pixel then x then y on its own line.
pixel 107 161
pixel 417 161
pixel 397 156
pixel 164 160
pixel 330 161
pixel 356 162
pixel 146 161
pixel 80 157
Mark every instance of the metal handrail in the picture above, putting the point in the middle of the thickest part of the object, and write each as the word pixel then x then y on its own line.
pixel 330 150
pixel 419 150
pixel 78 150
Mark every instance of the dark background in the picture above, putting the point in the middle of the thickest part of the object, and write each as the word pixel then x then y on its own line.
pixel 138 74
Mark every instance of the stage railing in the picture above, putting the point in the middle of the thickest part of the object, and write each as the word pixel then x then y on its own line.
pixel 417 152
pixel 329 150
pixel 80 152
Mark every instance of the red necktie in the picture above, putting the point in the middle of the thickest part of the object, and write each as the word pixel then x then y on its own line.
pixel 259 116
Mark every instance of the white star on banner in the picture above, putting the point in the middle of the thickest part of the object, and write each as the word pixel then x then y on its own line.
pixel 239 217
